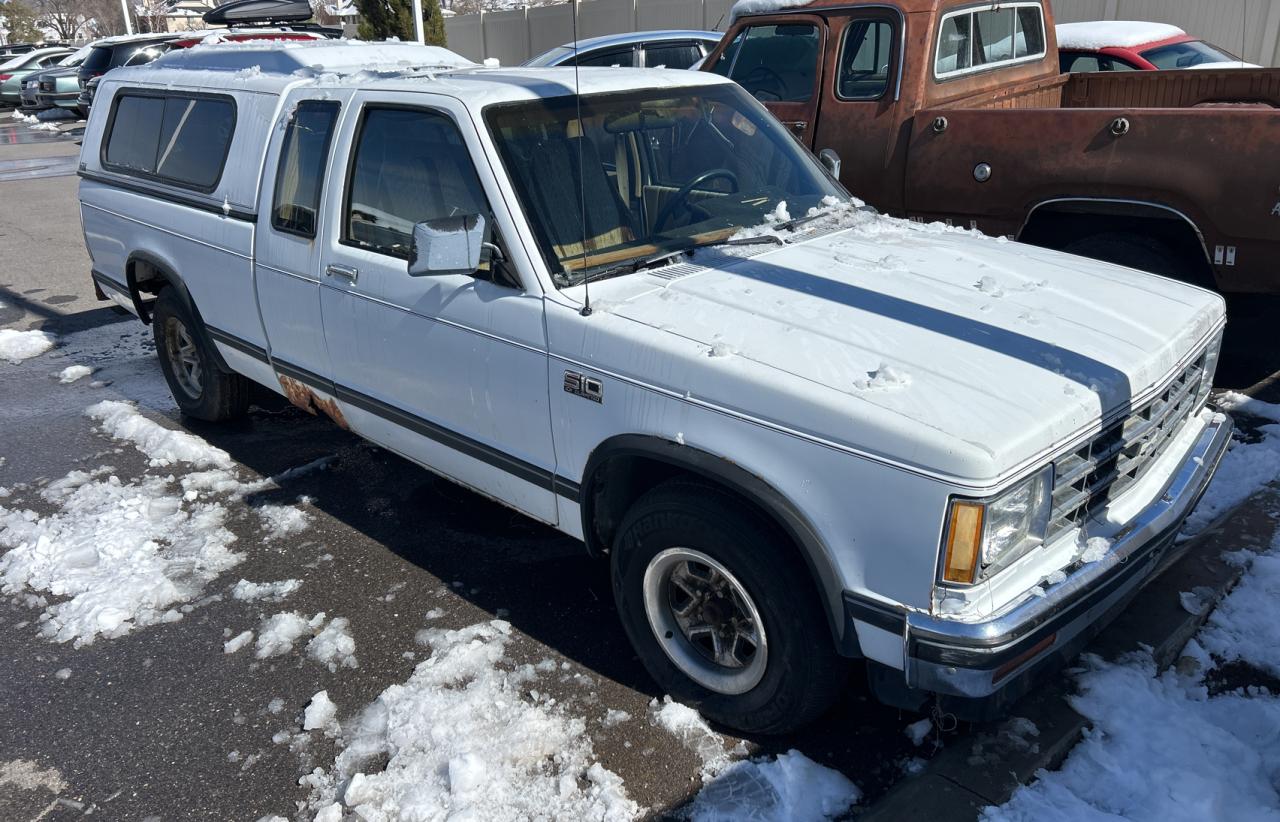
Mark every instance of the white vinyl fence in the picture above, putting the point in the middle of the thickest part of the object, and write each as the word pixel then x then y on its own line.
pixel 1250 28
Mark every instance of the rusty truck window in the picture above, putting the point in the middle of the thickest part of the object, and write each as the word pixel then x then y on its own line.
pixel 990 36
pixel 409 165
pixel 303 158
pixel 864 60
pixel 778 63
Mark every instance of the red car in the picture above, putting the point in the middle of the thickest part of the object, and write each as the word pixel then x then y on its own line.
pixel 1123 45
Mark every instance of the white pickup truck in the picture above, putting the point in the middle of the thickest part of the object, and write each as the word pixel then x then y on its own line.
pixel 643 314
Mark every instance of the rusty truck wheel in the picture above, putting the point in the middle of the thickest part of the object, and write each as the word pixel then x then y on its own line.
pixel 199 386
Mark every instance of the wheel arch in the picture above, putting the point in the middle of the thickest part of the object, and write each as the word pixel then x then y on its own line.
pixel 148 273
pixel 623 467
pixel 1047 215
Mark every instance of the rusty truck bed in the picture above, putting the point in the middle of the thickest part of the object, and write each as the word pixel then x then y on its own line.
pixel 1145 136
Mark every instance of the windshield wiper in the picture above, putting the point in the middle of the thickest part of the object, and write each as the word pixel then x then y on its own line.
pixel 631 266
pixel 758 239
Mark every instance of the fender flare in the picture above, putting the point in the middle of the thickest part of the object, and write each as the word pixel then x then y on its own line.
pixel 167 273
pixel 1119 207
pixel 749 486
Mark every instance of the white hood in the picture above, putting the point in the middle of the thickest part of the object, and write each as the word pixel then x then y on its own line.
pixel 934 348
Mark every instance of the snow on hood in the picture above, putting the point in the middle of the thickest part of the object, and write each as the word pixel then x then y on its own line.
pixel 1100 34
pixel 954 353
pixel 744 7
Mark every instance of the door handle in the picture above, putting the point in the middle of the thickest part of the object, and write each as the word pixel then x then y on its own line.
pixel 346 272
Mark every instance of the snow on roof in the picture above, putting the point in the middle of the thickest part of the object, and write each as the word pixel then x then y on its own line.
pixel 1100 34
pixel 291 56
pixel 743 7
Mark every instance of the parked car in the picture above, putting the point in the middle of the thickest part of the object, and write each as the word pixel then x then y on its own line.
pixel 641 49
pixel 128 50
pixel 794 438
pixel 13 72
pixel 964 116
pixel 12 50
pixel 66 67
pixel 1122 45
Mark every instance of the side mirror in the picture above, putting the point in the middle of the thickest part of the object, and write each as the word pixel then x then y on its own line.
pixel 449 245
pixel 831 160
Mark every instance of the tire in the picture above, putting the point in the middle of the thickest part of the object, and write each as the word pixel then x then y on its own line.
pixel 1142 253
pixel 199 386
pixel 683 529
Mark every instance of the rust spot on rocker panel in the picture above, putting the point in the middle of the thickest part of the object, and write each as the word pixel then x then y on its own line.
pixel 306 399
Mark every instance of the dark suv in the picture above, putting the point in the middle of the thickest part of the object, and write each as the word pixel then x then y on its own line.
pixel 115 52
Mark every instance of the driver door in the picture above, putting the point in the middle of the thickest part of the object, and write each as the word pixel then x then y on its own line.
pixel 779 61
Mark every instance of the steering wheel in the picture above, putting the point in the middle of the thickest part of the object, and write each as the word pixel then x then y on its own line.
pixel 758 87
pixel 678 199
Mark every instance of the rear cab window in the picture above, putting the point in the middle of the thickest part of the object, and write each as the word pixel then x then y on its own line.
pixel 989 37
pixel 173 137
pixel 303 159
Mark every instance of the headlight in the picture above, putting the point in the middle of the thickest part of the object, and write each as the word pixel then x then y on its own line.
pixel 986 535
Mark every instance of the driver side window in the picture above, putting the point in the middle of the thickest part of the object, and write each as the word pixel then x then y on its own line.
pixel 864 60
pixel 777 63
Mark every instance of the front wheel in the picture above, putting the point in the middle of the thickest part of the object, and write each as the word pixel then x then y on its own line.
pixel 199 386
pixel 722 612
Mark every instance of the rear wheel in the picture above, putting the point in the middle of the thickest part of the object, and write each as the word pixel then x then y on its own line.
pixel 199 386
pixel 1142 253
pixel 722 612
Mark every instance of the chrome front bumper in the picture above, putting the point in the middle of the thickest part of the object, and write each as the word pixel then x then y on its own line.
pixel 979 659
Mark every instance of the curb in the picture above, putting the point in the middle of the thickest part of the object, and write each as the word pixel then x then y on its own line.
pixel 986 767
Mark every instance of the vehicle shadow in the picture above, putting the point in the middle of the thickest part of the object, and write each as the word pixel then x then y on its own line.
pixel 539 580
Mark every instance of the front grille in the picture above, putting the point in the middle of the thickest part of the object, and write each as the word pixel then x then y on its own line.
pixel 1109 464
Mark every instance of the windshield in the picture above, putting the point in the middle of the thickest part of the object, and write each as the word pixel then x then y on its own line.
pixel 663 170
pixel 1186 55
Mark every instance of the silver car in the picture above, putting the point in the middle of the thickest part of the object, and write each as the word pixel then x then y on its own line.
pixel 638 49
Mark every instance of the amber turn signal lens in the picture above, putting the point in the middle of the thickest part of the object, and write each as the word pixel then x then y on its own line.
pixel 964 542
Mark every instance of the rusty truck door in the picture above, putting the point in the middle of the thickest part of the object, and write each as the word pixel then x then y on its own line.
pixel 779 59
pixel 861 119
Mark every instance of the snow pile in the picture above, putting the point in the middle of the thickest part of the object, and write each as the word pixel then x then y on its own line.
pixel 333 646
pixel 278 633
pixel 1244 627
pixel 745 7
pixel 237 642
pixel 685 724
pixel 1245 469
pixel 16 346
pixel 247 591
pixel 460 740
pixel 117 555
pixel 883 378
pixel 1101 34
pixel 1161 747
pixel 321 715
pixel 790 787
pixel 72 373
pixel 283 520
pixel 123 421
pixel 918 732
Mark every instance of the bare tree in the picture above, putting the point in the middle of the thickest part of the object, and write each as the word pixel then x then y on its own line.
pixel 65 18
pixel 103 18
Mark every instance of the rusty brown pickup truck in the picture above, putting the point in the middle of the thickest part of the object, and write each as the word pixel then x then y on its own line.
pixel 950 110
